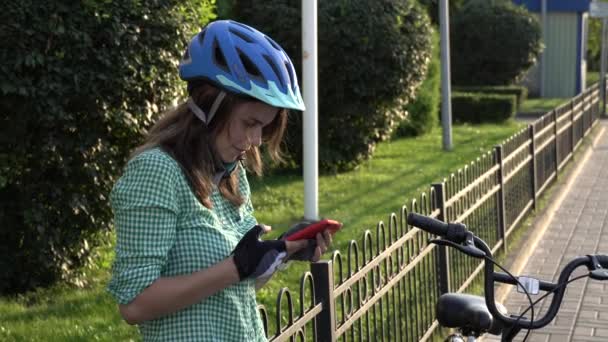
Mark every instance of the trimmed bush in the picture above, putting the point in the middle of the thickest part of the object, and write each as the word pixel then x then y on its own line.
pixel 80 82
pixel 520 92
pixel 493 43
pixel 479 107
pixel 372 57
pixel 422 112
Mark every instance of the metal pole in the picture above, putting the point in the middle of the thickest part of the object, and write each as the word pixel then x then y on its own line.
pixel 310 121
pixel 446 99
pixel 603 67
pixel 543 59
pixel 443 260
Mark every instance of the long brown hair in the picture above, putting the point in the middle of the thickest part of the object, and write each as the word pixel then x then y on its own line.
pixel 192 143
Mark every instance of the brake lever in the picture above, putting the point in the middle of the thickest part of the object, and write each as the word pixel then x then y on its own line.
pixel 468 248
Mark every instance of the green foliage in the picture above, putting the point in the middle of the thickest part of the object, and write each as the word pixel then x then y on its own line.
pixel 493 43
pixel 372 55
pixel 594 44
pixel 480 107
pixel 432 7
pixel 520 92
pixel 422 112
pixel 80 82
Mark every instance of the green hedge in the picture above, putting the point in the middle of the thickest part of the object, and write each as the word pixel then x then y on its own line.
pixel 80 83
pixel 372 56
pixel 480 107
pixel 422 112
pixel 520 92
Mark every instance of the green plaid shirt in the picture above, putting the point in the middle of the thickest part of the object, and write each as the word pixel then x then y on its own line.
pixel 163 231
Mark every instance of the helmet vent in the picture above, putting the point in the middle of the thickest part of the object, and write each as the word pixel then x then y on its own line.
pixel 275 69
pixel 274 45
pixel 292 77
pixel 249 65
pixel 241 25
pixel 201 36
pixel 218 56
pixel 241 35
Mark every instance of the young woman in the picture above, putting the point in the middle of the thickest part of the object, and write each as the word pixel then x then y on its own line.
pixel 188 249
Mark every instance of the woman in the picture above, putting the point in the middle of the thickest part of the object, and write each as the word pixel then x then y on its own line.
pixel 188 251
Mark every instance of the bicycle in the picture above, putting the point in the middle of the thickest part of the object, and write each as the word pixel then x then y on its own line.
pixel 475 316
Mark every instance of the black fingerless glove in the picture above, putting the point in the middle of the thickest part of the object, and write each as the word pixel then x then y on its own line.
pixel 306 253
pixel 256 258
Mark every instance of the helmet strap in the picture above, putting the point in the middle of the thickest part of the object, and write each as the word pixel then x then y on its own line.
pixel 200 113
pixel 216 104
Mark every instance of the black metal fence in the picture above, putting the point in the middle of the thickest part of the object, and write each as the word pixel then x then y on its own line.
pixel 386 287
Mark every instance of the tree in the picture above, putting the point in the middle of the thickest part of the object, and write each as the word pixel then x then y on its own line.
pixel 493 43
pixel 372 57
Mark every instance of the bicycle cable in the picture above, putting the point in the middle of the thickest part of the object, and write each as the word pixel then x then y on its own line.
pixel 531 307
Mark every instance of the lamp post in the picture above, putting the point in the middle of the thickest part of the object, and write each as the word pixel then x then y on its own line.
pixel 446 97
pixel 310 120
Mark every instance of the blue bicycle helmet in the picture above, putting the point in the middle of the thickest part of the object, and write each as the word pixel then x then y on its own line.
pixel 242 60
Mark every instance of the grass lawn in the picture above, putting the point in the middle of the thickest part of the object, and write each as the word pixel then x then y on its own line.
pixel 398 172
pixel 541 105
pixel 592 78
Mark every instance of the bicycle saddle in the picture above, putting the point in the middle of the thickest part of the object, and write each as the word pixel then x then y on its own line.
pixel 468 312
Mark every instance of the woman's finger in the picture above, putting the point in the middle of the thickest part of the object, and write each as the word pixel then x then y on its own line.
pixel 328 237
pixel 321 243
pixel 317 255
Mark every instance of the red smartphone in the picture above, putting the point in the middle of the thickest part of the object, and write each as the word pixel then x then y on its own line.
pixel 310 232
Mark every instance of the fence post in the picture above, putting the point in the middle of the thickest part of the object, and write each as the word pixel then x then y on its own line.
pixel 590 113
pixel 584 116
pixel 325 321
pixel 556 142
pixel 572 130
pixel 443 262
pixel 498 159
pixel 532 132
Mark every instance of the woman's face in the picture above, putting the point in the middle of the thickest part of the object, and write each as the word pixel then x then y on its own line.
pixel 244 129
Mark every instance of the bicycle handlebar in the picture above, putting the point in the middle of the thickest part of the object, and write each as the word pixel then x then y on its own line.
pixel 456 233
pixel 428 224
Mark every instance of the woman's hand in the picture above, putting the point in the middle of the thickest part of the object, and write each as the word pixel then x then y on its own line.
pixel 255 258
pixel 311 250
pixel 323 242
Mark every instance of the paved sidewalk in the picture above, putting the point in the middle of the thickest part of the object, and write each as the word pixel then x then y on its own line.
pixel 579 227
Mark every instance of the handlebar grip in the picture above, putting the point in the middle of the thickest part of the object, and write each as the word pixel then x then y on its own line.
pixel 428 224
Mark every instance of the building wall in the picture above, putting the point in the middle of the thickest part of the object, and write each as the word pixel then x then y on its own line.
pixel 531 80
pixel 565 48
pixel 561 48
